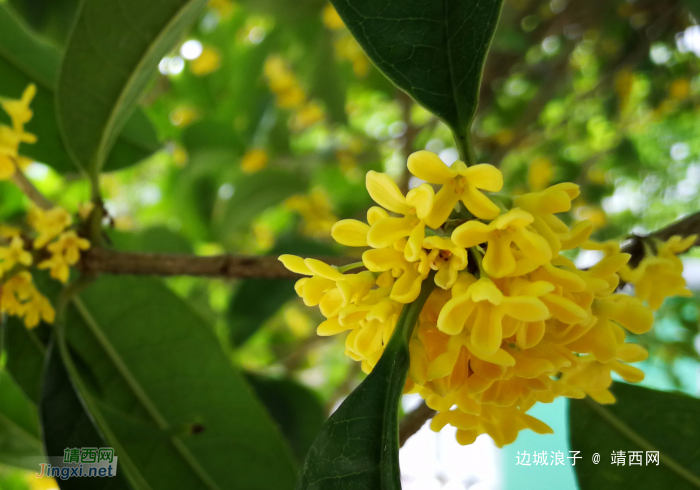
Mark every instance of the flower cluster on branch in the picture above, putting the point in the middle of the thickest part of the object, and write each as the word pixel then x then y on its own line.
pixel 513 321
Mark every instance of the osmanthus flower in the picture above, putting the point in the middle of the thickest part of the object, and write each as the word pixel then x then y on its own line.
pixel 482 306
pixel 446 258
pixel 415 208
pixel 514 325
pixel 510 228
pixel 543 205
pixel 12 136
pixel 64 252
pixel 659 276
pixel 19 297
pixel 459 183
pixel 48 223
pixel 14 254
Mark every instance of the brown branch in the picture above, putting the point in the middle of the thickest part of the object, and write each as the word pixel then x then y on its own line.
pixel 413 421
pixel 684 227
pixel 104 261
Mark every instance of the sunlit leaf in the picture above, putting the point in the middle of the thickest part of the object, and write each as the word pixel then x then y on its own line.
pixel 111 55
pixel 25 59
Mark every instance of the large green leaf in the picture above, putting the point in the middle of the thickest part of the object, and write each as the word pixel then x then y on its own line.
pixel 164 393
pixel 19 426
pixel 66 424
pixel 111 55
pixel 296 409
pixel 433 50
pixel 358 446
pixel 25 59
pixel 640 420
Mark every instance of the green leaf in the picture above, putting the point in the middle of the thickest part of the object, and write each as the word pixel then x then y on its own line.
pixel 433 50
pixel 157 239
pixel 296 409
pixel 640 420
pixel 25 59
pixel 358 446
pixel 66 424
pixel 164 393
pixel 25 350
pixel 257 192
pixel 111 55
pixel 19 426
pixel 257 300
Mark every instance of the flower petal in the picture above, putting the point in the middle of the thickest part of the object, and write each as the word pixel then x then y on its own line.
pixel 387 231
pixel 407 287
pixel 478 204
pixel 350 232
pixel 295 264
pixel 471 233
pixel 421 199
pixel 383 259
pixel 386 193
pixel 484 176
pixel 322 269
pixel 427 166
pixel 486 333
pixel 525 308
pixel 443 204
pixel 533 246
pixel 499 260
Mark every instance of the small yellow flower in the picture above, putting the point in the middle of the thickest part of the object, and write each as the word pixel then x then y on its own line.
pixel 64 252
pixel 254 161
pixel 409 274
pixel 446 258
pixel 13 255
pixel 19 110
pixel 489 305
pixel 207 62
pixel 459 183
pixel 19 297
pixel 415 208
pixel 49 224
pixel 500 234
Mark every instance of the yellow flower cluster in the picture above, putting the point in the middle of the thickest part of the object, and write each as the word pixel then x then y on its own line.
pixel 58 246
pixel 12 136
pixel 345 46
pixel 316 212
pixel 290 95
pixel 659 274
pixel 512 321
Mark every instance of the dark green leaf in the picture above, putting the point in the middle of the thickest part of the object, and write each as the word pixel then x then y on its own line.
pixel 66 424
pixel 25 59
pixel 640 420
pixel 256 300
pixel 111 55
pixel 358 447
pixel 19 426
pixel 25 350
pixel 164 393
pixel 296 409
pixel 433 50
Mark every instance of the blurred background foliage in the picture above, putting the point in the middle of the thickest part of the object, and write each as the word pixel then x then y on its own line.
pixel 601 93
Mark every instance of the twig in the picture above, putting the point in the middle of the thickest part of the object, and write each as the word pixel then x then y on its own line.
pixel 21 181
pixel 413 421
pixel 103 261
pixel 684 227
